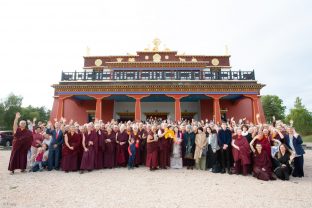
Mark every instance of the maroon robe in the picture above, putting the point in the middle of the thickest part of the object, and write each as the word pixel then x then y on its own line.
pixel 243 154
pixel 99 150
pixel 260 161
pixel 137 141
pixel 88 157
pixel 80 151
pixel 37 139
pixel 70 157
pixel 21 143
pixel 109 150
pixel 152 153
pixel 164 151
pixel 143 135
pixel 122 150
pixel 266 144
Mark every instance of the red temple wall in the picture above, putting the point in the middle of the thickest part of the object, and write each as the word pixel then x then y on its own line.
pixel 262 117
pixel 77 110
pixel 206 109
pixel 107 110
pixel 238 109
pixel 53 113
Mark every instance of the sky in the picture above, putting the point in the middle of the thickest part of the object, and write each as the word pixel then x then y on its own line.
pixel 41 38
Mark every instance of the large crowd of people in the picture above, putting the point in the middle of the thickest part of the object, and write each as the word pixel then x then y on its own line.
pixel 265 151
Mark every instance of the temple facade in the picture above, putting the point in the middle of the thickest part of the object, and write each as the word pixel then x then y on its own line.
pixel 157 83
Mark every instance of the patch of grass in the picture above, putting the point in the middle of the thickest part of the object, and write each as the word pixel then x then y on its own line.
pixel 307 138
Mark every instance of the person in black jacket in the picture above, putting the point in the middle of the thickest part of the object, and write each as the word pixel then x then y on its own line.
pixel 281 161
pixel 224 141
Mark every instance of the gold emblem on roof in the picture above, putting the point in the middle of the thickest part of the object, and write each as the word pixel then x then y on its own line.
pixel 156 58
pixel 98 62
pixel 182 59
pixel 194 59
pixel 215 61
pixel 131 59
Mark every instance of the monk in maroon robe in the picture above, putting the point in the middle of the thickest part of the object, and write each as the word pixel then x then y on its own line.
pixel 80 133
pixel 22 139
pixel 88 157
pixel 109 150
pixel 262 166
pixel 143 135
pixel 122 147
pixel 99 148
pixel 152 148
pixel 164 145
pixel 265 142
pixel 241 153
pixel 137 140
pixel 70 150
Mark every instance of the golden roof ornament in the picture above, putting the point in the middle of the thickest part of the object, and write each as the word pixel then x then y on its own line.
pixel 156 58
pixel 182 59
pixel 156 43
pixel 98 62
pixel 215 62
pixel 194 59
pixel 87 51
pixel 148 48
pixel 131 59
pixel 166 48
pixel 226 50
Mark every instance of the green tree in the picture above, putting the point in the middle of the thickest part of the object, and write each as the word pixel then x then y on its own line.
pixel 30 112
pixel 273 106
pixel 301 117
pixel 12 104
pixel 1 115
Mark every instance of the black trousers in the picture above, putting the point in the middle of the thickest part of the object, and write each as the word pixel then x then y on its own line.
pixel 225 156
pixel 211 158
pixel 298 167
pixel 282 172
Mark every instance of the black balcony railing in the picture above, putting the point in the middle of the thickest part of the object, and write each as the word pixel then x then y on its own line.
pixel 157 75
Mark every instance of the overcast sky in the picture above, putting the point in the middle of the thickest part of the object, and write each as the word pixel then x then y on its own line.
pixel 40 38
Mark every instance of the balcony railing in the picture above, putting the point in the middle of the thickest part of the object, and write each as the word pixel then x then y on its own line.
pixel 157 75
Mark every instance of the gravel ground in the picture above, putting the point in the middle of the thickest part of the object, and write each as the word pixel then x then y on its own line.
pixel 141 188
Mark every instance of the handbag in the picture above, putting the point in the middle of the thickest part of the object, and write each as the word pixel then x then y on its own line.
pixel 204 151
pixel 189 156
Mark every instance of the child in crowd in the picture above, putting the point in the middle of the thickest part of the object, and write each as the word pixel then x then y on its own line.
pixel 39 158
pixel 131 151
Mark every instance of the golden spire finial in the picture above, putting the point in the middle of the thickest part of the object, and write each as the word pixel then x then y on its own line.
pixel 87 51
pixel 148 48
pixel 156 43
pixel 226 50
pixel 166 48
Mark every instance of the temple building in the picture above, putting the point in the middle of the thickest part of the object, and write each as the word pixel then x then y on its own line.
pixel 159 83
